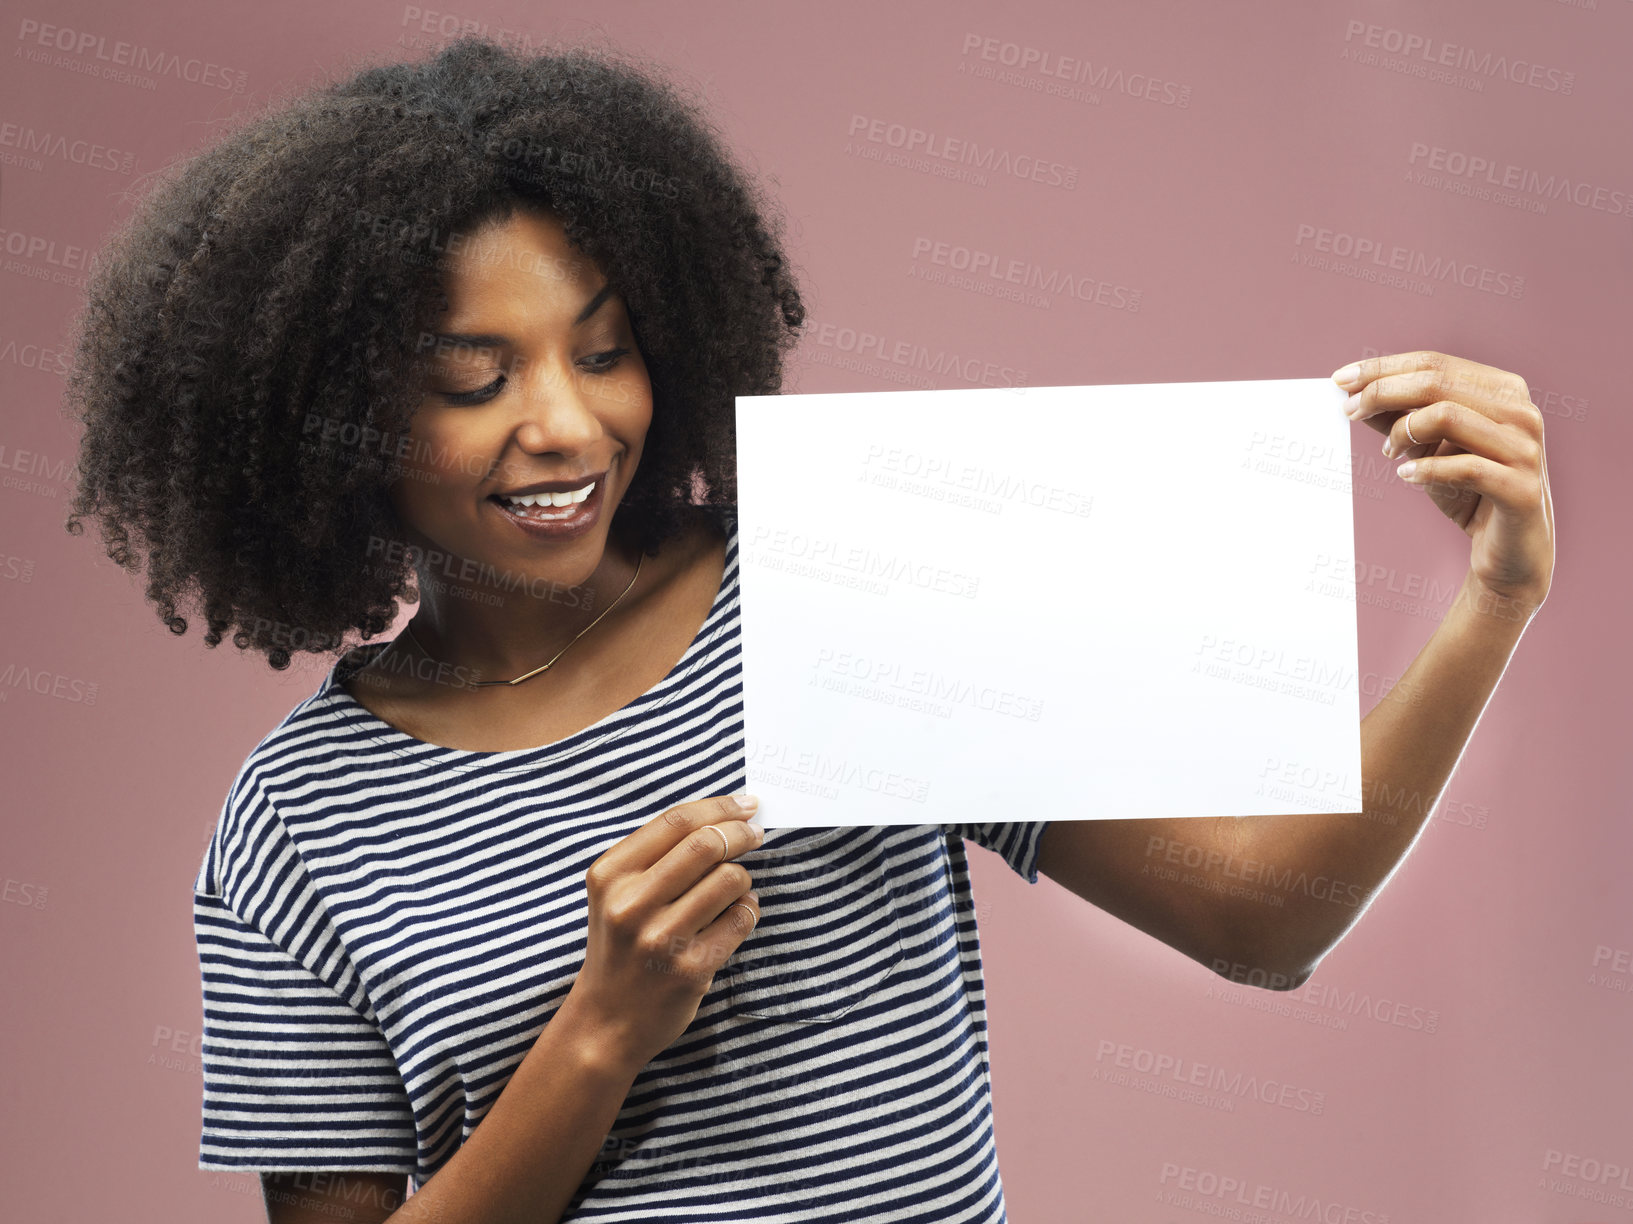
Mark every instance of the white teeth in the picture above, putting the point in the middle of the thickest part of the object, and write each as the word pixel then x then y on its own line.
pixel 553 499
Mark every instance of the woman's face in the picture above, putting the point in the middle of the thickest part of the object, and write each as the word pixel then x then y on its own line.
pixel 534 377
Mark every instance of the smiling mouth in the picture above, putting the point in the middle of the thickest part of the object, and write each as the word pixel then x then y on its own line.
pixel 544 520
pixel 546 507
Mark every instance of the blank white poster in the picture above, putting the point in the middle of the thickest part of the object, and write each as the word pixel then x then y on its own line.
pixel 1048 603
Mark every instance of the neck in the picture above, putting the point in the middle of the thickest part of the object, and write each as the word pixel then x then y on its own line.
pixel 499 632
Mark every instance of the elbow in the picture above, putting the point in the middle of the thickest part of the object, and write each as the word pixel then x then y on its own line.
pixel 1295 978
pixel 1261 973
pixel 1281 958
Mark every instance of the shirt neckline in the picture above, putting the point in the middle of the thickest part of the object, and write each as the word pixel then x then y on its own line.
pixel 399 742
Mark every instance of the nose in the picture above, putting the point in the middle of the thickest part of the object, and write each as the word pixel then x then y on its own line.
pixel 555 412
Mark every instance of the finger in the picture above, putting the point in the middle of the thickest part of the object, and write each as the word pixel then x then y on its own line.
pixel 717 942
pixel 1414 380
pixel 1370 369
pixel 1417 432
pixel 1510 489
pixel 658 836
pixel 697 854
pixel 699 905
pixel 1357 375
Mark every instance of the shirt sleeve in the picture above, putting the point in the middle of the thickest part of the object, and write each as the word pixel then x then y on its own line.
pixel 297 1074
pixel 1015 842
pixel 294 1078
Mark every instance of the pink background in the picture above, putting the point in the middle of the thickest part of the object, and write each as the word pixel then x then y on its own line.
pixel 1262 120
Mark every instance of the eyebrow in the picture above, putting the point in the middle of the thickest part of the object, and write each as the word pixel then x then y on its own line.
pixel 594 304
pixel 495 340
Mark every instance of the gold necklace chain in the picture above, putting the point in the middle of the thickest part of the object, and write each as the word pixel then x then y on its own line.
pixel 546 667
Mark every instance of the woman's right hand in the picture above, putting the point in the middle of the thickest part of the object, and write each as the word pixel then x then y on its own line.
pixel 663 919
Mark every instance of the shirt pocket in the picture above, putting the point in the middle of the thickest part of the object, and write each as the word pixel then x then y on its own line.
pixel 829 931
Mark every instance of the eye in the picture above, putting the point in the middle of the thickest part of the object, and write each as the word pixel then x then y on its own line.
pixel 480 395
pixel 600 363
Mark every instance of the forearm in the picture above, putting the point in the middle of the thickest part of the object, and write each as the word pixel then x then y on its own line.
pixel 529 1154
pixel 1411 742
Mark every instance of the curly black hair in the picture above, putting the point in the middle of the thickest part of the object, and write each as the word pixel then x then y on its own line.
pixel 281 278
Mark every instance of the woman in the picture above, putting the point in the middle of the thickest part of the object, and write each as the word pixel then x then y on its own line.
pixel 481 912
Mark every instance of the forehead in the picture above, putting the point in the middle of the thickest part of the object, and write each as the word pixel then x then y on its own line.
pixel 523 261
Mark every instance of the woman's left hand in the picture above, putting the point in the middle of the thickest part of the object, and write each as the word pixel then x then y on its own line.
pixel 1479 457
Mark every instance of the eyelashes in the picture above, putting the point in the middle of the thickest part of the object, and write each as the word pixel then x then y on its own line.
pixel 474 397
pixel 609 359
pixel 601 363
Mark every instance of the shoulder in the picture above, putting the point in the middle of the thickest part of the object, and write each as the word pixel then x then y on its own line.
pixel 381 685
pixel 248 823
pixel 713 540
pixel 692 558
pixel 713 532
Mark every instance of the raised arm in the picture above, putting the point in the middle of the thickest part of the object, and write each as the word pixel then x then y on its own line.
pixel 1261 899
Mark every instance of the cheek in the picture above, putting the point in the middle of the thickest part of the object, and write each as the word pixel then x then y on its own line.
pixel 631 401
pixel 440 455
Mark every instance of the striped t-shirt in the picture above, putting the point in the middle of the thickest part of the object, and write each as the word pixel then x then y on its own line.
pixel 385 925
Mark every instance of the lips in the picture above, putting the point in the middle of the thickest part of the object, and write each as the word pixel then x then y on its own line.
pixel 557 522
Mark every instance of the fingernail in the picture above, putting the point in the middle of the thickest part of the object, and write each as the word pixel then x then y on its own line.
pixel 754 823
pixel 1406 469
pixel 1352 405
pixel 746 801
pixel 1347 374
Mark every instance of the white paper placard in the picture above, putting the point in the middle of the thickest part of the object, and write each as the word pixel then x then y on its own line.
pixel 1048 603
